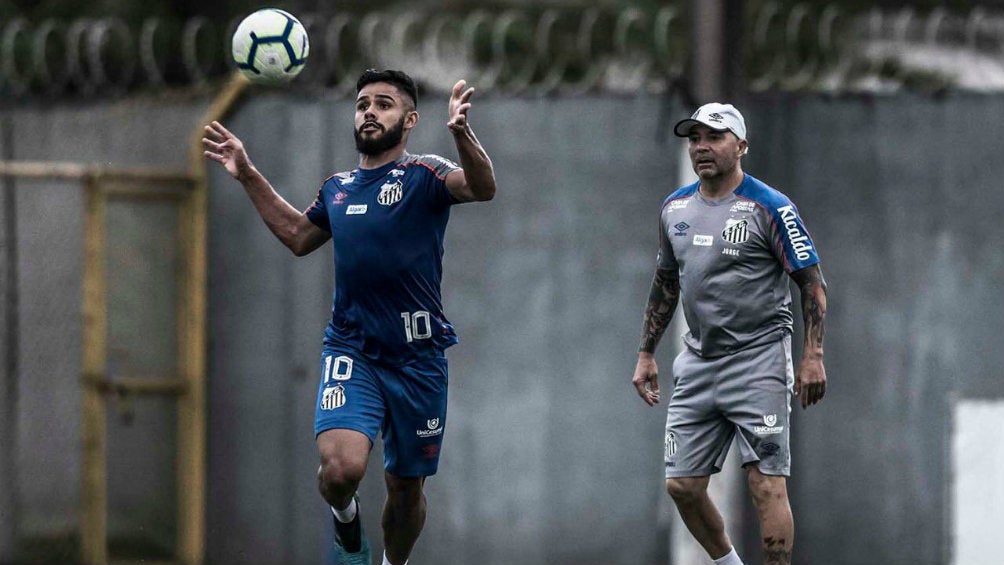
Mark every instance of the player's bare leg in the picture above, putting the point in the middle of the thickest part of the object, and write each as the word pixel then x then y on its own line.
pixel 343 463
pixel 403 516
pixel 700 514
pixel 777 528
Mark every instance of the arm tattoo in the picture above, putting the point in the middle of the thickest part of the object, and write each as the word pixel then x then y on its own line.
pixel 813 288
pixel 662 301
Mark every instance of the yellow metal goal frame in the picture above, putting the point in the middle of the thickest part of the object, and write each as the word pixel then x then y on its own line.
pixel 188 189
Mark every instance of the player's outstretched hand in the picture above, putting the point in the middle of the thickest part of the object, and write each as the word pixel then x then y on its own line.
pixel 810 381
pixel 226 149
pixel 458 107
pixel 646 379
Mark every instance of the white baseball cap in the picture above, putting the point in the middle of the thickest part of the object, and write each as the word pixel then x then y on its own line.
pixel 719 117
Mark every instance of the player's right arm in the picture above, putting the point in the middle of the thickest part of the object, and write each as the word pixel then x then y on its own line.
pixel 662 301
pixel 289 225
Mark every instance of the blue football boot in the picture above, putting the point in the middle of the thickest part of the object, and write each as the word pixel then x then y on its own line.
pixel 350 541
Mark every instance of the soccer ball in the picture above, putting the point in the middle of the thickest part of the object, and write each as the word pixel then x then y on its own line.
pixel 270 47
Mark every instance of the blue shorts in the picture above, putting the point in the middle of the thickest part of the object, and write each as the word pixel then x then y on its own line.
pixel 406 403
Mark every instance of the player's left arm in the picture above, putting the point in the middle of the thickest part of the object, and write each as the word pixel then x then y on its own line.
pixel 810 378
pixel 475 181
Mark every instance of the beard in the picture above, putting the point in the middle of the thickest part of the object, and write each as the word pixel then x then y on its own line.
pixel 377 145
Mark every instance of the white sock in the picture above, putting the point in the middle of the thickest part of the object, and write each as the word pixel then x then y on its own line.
pixel 387 562
pixel 346 514
pixel 731 558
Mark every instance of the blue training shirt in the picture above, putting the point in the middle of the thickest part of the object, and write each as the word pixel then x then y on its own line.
pixel 387 227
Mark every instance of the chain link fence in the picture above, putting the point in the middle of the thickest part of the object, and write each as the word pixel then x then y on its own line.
pixel 524 51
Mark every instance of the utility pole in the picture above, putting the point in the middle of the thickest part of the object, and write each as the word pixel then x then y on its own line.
pixel 9 349
pixel 716 62
pixel 714 75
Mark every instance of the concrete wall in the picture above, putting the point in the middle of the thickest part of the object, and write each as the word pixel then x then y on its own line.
pixel 904 197
pixel 549 456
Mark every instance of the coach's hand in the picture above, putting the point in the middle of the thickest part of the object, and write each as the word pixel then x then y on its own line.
pixel 226 149
pixel 646 378
pixel 458 107
pixel 810 380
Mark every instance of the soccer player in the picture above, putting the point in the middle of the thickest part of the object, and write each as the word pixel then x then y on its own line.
pixel 383 367
pixel 727 245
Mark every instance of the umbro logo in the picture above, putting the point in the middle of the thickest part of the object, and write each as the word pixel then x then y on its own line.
pixel 681 228
pixel 715 117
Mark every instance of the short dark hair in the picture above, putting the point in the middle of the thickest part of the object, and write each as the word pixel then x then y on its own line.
pixel 400 79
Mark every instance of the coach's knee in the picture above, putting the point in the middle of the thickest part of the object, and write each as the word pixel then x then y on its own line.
pixel 339 476
pixel 687 489
pixel 767 489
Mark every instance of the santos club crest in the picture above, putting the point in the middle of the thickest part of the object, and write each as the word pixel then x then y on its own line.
pixel 670 445
pixel 333 397
pixel 736 232
pixel 390 192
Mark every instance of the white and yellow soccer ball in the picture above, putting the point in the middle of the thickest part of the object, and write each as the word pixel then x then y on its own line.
pixel 270 47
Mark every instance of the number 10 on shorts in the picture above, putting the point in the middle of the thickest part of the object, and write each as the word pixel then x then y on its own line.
pixel 417 325
pixel 337 368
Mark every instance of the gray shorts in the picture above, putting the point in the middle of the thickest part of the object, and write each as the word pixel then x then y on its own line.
pixel 749 392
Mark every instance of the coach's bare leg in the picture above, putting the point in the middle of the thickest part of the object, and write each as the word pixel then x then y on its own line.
pixel 777 528
pixel 343 464
pixel 700 514
pixel 403 516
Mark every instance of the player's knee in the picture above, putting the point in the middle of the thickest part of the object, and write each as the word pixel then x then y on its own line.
pixel 686 489
pixel 339 474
